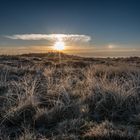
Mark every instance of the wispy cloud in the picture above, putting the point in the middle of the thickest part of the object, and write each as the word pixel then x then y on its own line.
pixel 52 37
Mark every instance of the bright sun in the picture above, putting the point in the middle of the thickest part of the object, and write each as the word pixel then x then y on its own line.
pixel 59 46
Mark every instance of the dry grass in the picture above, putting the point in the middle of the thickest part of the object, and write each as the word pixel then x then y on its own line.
pixel 83 98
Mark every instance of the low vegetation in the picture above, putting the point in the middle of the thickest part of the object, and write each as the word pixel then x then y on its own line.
pixel 75 98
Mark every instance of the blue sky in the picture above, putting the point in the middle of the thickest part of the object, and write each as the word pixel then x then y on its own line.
pixel 107 22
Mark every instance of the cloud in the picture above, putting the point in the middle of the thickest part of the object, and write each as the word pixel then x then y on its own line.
pixel 51 37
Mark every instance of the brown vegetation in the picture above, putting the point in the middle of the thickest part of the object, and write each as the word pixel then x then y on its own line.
pixel 79 98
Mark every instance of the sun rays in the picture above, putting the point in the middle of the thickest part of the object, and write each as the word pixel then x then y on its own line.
pixel 59 46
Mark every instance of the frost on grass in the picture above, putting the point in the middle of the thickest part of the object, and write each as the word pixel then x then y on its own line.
pixel 81 98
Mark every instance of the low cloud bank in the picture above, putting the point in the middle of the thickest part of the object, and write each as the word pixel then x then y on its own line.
pixel 51 37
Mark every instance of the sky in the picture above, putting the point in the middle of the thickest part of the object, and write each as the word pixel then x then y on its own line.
pixel 112 26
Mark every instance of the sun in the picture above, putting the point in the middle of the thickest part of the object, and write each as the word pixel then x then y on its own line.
pixel 59 46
